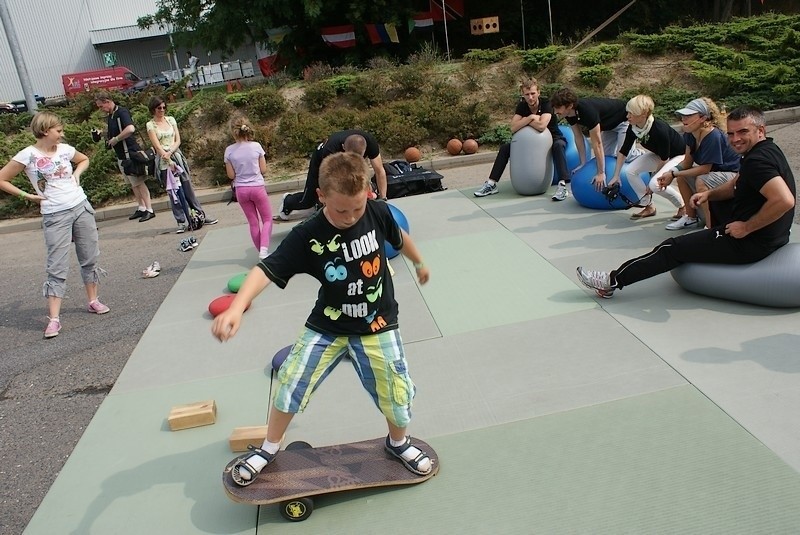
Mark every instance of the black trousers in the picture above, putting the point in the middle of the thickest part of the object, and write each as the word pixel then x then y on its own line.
pixel 308 197
pixel 559 153
pixel 710 246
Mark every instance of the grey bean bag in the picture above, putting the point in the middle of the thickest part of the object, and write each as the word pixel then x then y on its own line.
pixel 531 162
pixel 771 282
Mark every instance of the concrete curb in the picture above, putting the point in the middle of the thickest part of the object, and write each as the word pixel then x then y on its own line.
pixel 216 195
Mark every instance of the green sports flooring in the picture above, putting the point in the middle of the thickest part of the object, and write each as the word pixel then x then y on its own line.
pixel 666 462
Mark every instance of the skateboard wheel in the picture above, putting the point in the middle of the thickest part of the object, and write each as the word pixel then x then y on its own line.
pixel 297 510
pixel 298 445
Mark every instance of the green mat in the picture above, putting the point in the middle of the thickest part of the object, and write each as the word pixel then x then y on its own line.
pixel 667 462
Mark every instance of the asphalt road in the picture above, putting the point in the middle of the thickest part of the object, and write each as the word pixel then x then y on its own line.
pixel 50 389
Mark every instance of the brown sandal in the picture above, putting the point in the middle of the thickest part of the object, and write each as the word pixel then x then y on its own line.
pixel 649 211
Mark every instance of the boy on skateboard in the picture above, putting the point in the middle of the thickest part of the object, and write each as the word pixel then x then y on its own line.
pixel 342 246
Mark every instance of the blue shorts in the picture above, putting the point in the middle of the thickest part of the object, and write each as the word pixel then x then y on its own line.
pixel 378 360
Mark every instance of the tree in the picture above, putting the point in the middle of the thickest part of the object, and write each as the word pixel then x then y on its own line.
pixel 227 25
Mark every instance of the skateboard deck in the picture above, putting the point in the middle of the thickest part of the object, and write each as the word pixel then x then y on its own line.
pixel 306 472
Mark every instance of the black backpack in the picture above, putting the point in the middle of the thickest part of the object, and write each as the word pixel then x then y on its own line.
pixel 404 179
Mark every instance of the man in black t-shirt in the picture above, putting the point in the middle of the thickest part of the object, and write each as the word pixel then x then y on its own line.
pixel 763 211
pixel 534 111
pixel 605 118
pixel 357 141
pixel 119 136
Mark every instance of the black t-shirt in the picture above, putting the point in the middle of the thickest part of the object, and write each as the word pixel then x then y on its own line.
pixel 356 295
pixel 607 112
pixel 335 143
pixel 116 126
pixel 662 140
pixel 523 110
pixel 762 163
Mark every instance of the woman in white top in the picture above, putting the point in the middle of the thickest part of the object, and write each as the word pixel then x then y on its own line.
pixel 67 216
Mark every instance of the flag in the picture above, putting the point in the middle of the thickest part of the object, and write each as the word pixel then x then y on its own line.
pixel 276 35
pixel 452 9
pixel 421 20
pixel 382 33
pixel 339 36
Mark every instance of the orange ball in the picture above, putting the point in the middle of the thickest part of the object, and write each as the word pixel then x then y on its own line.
pixel 454 146
pixel 412 154
pixel 470 146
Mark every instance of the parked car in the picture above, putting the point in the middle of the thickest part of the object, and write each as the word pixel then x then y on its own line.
pixel 21 105
pixel 156 79
pixel 18 105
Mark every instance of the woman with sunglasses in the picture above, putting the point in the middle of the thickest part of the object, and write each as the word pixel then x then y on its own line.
pixel 163 132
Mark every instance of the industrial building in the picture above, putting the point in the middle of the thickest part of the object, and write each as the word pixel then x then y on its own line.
pixel 67 36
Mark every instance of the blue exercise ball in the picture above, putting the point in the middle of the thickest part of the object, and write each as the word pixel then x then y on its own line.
pixel 585 193
pixel 573 160
pixel 402 222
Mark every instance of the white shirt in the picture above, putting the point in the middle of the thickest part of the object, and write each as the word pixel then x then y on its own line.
pixel 51 177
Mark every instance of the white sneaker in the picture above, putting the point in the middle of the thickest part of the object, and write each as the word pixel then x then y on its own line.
pixel 599 281
pixel 682 223
pixel 561 192
pixel 487 189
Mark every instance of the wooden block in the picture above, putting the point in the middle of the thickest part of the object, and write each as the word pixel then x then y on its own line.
pixel 241 437
pixel 192 415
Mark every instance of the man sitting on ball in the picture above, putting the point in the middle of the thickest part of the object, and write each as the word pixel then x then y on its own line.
pixel 536 112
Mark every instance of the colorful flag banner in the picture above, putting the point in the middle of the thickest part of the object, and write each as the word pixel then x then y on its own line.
pixel 339 36
pixel 382 33
pixel 450 8
pixel 421 20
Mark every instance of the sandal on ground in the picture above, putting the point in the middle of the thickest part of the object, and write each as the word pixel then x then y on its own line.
pixel 649 211
pixel 412 464
pixel 243 472
pixel 153 270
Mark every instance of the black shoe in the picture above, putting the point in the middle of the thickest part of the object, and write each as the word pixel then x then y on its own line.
pixel 211 221
pixel 147 217
pixel 137 214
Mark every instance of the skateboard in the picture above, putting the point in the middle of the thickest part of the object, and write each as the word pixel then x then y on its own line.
pixel 300 472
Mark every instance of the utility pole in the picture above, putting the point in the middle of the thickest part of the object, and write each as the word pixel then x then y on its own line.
pixel 16 54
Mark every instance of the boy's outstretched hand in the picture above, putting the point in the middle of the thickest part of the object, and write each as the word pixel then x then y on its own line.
pixel 226 325
pixel 423 274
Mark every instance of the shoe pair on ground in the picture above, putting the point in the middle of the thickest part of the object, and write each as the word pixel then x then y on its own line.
pixel 490 188
pixel 54 324
pixel 188 244
pixel 248 466
pixel 142 215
